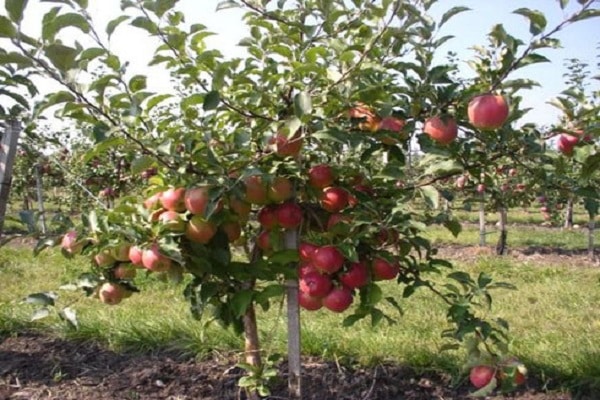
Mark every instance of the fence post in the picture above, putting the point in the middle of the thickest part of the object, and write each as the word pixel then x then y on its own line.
pixel 8 149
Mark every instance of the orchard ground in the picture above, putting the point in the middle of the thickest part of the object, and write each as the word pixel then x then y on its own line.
pixel 149 347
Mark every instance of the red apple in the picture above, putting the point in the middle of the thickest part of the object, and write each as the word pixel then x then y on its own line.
pixel 460 182
pixel 289 215
pixel 566 143
pixel 481 375
pixel 267 218
pixel 111 293
pixel 240 207
pixel 265 240
pixel 280 189
pixel 488 111
pixel 315 284
pixel 153 201
pixel 104 258
pixel 334 199
pixel 173 199
pixel 70 244
pixel 233 230
pixel 383 269
pixel 441 129
pixel 481 188
pixel 124 271
pixel 391 124
pixel 321 176
pixel 135 255
pixel 256 190
pixel 305 267
pixel 306 250
pixel 335 219
pixel 357 275
pixel 172 221
pixel 338 300
pixel 153 260
pixel 309 302
pixel 328 259
pixel 196 199
pixel 288 146
pixel 200 230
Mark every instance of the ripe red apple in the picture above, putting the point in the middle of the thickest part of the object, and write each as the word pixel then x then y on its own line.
pixel 256 190
pixel 383 269
pixel 200 230
pixel 268 240
pixel 280 189
pixel 289 215
pixel 566 143
pixel 441 129
pixel 104 258
pixel 335 219
pixel 306 250
pixel 334 199
pixel 309 302
pixel 321 176
pixel 338 300
pixel 460 182
pixel 287 146
pixel 387 236
pixel 481 188
pixel 70 244
pixel 391 124
pixel 305 267
pixel 356 276
pixel 481 375
pixel 240 207
pixel 512 172
pixel 124 271
pixel 315 284
pixel 267 218
pixel 111 293
pixel 196 199
pixel 328 259
pixel 516 369
pixel 135 255
pixel 153 201
pixel 487 111
pixel 232 229
pixel 172 221
pixel 153 260
pixel 173 199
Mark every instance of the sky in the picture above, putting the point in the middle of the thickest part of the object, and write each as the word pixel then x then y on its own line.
pixel 579 40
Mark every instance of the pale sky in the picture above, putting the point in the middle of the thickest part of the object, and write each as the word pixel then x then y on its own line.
pixel 579 40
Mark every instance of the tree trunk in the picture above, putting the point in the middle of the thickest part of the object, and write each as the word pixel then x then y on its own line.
pixel 482 221
pixel 502 240
pixel 8 149
pixel 251 344
pixel 569 214
pixel 40 198
pixel 591 229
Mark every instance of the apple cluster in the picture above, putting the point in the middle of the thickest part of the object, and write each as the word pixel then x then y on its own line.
pixel 510 372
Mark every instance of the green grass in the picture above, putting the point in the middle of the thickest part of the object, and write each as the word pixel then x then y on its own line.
pixel 554 316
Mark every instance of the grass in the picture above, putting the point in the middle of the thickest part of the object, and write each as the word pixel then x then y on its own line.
pixel 554 316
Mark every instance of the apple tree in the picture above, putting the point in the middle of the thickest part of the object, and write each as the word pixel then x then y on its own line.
pixel 290 153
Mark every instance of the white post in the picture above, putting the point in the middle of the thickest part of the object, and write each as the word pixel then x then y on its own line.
pixel 8 149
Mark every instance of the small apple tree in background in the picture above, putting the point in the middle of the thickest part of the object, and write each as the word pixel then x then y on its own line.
pixel 291 153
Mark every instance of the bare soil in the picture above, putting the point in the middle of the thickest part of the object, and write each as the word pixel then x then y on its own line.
pixel 36 366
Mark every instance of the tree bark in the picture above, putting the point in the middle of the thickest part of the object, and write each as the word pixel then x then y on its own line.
pixel 591 229
pixel 40 198
pixel 293 322
pixel 252 344
pixel 569 214
pixel 501 247
pixel 482 233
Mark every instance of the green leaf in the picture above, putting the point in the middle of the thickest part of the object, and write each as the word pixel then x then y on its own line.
pixel 41 299
pixel 537 20
pixel 146 24
pixel 563 4
pixel 72 20
pixel 211 101
pixel 156 100
pixel 137 83
pixel 225 4
pixel 82 3
pixel 91 53
pixel 15 58
pixel 483 280
pixel 586 15
pixel 371 294
pixel 451 13
pixel 62 57
pixel 112 25
pixel 454 226
pixel 284 257
pixel 15 9
pixel 162 6
pixel 431 196
pixel 302 104
pixel 141 164
pixel 240 301
pixel 7 29
pixel 533 58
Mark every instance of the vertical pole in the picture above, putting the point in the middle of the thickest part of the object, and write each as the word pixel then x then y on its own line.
pixel 40 199
pixel 569 214
pixel 591 229
pixel 502 240
pixel 293 321
pixel 482 221
pixel 8 149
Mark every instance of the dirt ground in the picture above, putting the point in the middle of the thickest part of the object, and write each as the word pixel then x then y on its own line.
pixel 37 366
